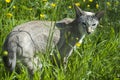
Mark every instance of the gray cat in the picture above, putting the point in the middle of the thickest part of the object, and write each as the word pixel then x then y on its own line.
pixel 27 39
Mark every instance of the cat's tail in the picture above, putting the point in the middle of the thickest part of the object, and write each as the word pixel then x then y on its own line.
pixel 9 54
pixel 9 60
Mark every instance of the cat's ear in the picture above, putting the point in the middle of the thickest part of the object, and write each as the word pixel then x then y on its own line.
pixel 78 11
pixel 99 14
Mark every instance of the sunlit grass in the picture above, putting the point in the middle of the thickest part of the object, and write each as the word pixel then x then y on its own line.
pixel 97 58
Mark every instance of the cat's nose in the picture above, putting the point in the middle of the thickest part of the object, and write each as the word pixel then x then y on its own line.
pixel 90 30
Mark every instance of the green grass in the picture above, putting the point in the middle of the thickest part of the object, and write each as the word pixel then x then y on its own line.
pixel 98 58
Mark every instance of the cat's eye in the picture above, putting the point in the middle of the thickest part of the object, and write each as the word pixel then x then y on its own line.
pixel 84 23
pixel 93 24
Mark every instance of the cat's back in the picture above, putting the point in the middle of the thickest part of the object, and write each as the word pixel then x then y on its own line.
pixel 35 26
pixel 37 32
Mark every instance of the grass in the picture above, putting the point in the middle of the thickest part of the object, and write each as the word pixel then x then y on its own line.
pixel 98 57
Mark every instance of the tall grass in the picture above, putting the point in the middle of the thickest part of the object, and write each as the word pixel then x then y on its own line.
pixel 98 57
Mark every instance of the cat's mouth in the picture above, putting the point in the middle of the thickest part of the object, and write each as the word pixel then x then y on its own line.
pixel 89 30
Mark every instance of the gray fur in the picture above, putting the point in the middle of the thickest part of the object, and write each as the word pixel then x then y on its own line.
pixel 32 37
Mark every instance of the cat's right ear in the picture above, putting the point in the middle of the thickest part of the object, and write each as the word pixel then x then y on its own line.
pixel 78 11
pixel 99 14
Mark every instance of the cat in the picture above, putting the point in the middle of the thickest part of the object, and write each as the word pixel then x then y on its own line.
pixel 27 39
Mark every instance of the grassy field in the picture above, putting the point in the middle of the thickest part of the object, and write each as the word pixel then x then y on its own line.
pixel 98 57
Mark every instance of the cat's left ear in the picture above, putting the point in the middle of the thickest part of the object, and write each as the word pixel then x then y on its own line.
pixel 78 11
pixel 99 14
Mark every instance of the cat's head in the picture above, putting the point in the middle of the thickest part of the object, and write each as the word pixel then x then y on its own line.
pixel 88 20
